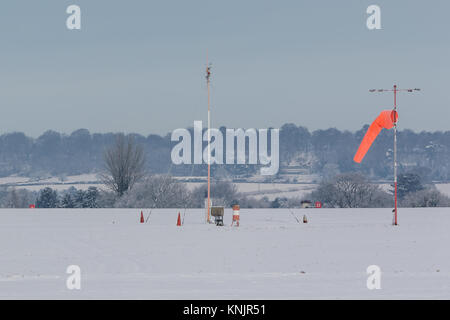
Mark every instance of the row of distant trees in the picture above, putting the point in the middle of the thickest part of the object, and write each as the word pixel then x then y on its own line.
pixel 350 190
pixel 353 190
pixel 326 152
pixel 130 185
pixel 50 198
pixel 330 152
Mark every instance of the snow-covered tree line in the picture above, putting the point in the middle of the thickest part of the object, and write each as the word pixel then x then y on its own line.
pixel 353 190
pixel 349 190
pixel 325 152
pixel 50 198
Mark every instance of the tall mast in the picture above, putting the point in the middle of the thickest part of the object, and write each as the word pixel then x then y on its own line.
pixel 208 75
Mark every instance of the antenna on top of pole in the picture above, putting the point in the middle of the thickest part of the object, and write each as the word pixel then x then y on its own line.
pixel 208 73
pixel 394 116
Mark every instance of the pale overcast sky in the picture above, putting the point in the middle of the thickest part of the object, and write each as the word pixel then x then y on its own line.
pixel 138 66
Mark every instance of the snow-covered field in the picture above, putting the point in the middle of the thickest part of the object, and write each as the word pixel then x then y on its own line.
pixel 82 181
pixel 270 256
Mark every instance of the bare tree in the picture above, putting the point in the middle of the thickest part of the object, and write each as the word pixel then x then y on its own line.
pixel 19 198
pixel 124 163
pixel 157 192
pixel 223 193
pixel 430 197
pixel 351 190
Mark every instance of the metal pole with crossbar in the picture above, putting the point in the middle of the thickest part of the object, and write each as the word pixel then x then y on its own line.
pixel 395 90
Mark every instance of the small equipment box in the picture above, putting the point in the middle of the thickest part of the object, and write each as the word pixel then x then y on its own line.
pixel 217 213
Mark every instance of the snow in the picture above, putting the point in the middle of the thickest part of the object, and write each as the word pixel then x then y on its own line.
pixel 82 181
pixel 269 190
pixel 270 256
pixel 444 188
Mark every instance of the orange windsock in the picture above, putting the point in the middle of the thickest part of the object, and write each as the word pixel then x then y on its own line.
pixel 385 120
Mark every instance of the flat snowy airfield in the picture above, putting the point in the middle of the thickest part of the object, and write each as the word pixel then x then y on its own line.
pixel 270 256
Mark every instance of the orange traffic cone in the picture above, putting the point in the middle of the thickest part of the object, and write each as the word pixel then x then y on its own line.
pixel 142 217
pixel 179 220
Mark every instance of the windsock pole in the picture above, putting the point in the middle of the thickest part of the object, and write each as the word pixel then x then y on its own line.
pixel 395 154
pixel 395 119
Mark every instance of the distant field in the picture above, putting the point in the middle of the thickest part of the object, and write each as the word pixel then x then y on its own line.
pixel 252 189
pixel 257 190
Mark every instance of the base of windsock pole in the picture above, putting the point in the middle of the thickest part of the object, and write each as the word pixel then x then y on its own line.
pixel 142 217
pixel 236 209
pixel 305 219
pixel 179 220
